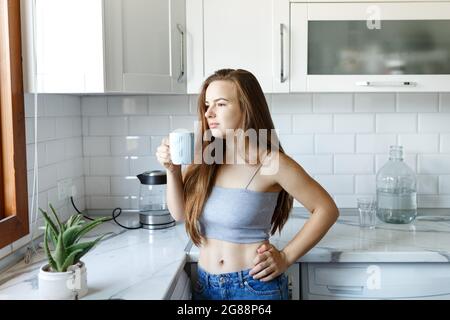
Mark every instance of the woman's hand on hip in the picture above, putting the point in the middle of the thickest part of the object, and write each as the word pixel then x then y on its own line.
pixel 269 263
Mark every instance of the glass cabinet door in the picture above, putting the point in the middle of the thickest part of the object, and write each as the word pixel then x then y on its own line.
pixel 397 47
pixel 361 46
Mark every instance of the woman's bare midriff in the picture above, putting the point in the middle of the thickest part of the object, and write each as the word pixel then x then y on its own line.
pixel 218 256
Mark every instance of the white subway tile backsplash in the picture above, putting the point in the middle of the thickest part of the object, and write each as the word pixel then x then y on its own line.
pixel 335 143
pixel 96 146
pixel 374 143
pixel 346 201
pixel 434 164
pixel 350 123
pixel 353 164
pixel 109 166
pixel 365 184
pixel 375 102
pixel 427 184
pixel 292 103
pixel 342 139
pixel 70 168
pixel 112 126
pixel 417 102
pixel 444 184
pixel 434 122
pixel 182 122
pixel 297 144
pixel 332 102
pixel 98 185
pixel 55 151
pixel 148 125
pixel 419 143
pixel 445 143
pixel 130 145
pixel 94 106
pixel 282 122
pixel 54 105
pixel 64 127
pixel 73 148
pixel 156 142
pixel 125 186
pixel 396 123
pixel 193 104
pixel 46 129
pixel 141 164
pixel 30 107
pixel 315 164
pixel 135 105
pixel 169 104
pixel 336 184
pixel 108 202
pixel 41 155
pixel 47 177
pixel 445 102
pixel 313 123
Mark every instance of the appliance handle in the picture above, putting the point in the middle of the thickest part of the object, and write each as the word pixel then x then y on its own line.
pixel 386 83
pixel 180 29
pixel 346 289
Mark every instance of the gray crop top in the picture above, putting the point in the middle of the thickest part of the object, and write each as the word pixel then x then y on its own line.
pixel 238 215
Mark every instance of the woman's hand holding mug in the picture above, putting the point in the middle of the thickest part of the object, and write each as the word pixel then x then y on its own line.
pixel 164 157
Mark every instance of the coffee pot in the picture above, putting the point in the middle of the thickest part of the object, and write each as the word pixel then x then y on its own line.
pixel 153 210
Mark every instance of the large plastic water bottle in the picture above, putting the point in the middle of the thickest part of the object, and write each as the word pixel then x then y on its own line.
pixel 396 189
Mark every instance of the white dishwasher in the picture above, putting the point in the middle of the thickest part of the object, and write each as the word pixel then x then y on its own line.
pixel 335 281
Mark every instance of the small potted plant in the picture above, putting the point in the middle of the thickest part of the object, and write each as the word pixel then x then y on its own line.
pixel 64 275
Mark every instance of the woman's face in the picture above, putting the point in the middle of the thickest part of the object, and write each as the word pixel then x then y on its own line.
pixel 222 107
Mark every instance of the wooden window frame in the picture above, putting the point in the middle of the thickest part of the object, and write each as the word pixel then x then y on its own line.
pixel 13 167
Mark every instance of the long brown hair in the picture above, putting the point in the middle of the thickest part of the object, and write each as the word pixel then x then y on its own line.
pixel 199 178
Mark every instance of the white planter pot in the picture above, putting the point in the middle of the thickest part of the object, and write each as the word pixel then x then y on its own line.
pixel 68 285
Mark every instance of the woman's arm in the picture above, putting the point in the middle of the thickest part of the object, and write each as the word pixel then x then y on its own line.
pixel 175 197
pixel 294 179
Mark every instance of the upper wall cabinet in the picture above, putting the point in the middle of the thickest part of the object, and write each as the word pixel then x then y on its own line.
pixel 250 34
pixel 385 46
pixel 106 46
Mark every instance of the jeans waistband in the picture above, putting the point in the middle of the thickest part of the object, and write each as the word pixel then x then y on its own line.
pixel 237 277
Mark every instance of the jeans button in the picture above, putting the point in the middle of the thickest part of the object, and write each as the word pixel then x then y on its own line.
pixel 221 280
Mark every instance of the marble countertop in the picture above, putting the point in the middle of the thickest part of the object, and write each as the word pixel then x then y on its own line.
pixel 426 239
pixel 145 264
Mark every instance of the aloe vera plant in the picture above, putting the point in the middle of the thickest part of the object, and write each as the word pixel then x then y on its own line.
pixel 65 238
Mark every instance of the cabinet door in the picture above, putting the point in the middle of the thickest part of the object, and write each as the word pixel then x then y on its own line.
pixel 371 47
pixel 251 35
pixel 69 54
pixel 145 45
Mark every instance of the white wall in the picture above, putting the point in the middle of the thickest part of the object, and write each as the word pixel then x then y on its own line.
pixel 340 139
pixel 59 144
pixel 103 142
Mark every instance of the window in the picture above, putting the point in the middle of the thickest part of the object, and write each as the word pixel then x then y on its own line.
pixel 13 171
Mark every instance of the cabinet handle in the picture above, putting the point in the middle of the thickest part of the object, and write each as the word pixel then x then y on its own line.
pixel 345 289
pixel 386 83
pixel 282 79
pixel 180 28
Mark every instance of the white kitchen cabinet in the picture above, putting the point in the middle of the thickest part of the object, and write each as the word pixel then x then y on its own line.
pixel 105 46
pixel 251 35
pixel 336 281
pixel 383 46
pixel 182 290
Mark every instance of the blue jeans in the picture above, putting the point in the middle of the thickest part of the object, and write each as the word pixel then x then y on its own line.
pixel 238 286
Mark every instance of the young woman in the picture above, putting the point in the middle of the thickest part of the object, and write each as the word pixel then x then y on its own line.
pixel 230 208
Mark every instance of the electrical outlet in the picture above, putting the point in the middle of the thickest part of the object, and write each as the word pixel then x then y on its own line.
pixel 64 189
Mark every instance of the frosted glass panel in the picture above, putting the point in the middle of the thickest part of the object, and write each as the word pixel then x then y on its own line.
pixel 398 47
